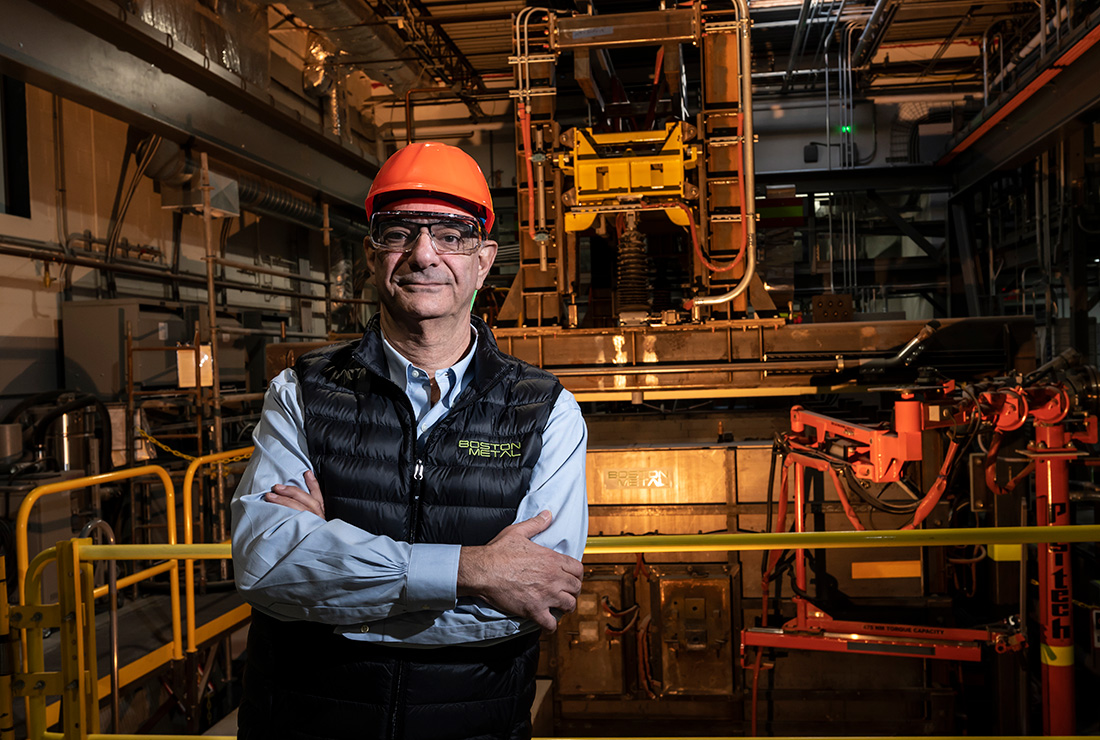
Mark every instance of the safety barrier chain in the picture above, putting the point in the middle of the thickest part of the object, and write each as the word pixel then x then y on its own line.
pixel 190 458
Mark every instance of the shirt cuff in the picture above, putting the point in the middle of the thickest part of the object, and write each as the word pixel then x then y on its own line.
pixel 432 577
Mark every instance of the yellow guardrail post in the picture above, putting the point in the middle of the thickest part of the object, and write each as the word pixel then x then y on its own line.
pixel 35 683
pixel 188 531
pixel 86 601
pixel 8 659
pixel 74 657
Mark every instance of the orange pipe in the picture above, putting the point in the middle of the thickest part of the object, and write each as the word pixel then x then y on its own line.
pixel 525 135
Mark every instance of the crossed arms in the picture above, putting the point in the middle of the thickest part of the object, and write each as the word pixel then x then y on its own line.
pixel 293 563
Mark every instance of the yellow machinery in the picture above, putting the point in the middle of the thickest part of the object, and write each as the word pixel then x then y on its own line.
pixel 638 287
pixel 622 172
pixel 603 178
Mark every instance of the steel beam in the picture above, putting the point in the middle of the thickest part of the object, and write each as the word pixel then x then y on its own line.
pixel 902 225
pixel 1053 98
pixel 968 260
pixel 916 178
pixel 123 68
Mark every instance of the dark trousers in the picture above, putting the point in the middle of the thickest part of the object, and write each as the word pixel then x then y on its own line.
pixel 302 682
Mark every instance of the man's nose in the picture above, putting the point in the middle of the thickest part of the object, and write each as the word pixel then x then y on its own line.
pixel 423 251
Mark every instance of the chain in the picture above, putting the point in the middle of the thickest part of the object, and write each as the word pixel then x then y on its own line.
pixel 145 435
pixel 150 438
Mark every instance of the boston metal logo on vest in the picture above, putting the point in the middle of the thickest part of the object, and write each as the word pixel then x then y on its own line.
pixel 489 449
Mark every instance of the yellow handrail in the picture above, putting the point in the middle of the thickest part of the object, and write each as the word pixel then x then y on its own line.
pixel 23 519
pixel 828 540
pixel 747 541
pixel 95 736
pixel 189 480
pixel 188 534
pixel 133 578
pixel 34 654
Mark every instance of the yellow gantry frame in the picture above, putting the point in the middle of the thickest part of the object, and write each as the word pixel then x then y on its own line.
pixel 624 168
pixel 77 682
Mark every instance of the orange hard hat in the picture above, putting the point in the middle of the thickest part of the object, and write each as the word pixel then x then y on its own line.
pixel 434 169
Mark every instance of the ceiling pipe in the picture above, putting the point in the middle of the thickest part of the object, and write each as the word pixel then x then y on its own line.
pixel 47 252
pixel 796 43
pixel 870 33
pixel 172 165
pixel 353 28
pixel 1037 40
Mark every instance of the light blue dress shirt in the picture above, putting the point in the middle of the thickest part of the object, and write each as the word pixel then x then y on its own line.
pixel 295 565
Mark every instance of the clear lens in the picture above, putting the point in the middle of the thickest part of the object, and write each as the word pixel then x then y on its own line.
pixel 397 231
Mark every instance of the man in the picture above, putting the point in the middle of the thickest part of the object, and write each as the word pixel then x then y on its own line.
pixel 415 509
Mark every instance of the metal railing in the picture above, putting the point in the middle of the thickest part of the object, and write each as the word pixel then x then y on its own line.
pixel 75 617
pixel 29 575
pixel 23 517
pixel 188 532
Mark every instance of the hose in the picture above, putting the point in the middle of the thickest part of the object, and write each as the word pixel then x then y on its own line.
pixel 38 399
pixel 698 247
pixel 936 491
pixel 103 431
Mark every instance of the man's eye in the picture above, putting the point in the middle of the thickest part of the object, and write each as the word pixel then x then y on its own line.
pixel 448 236
pixel 395 235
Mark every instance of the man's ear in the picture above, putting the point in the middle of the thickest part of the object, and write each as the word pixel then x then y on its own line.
pixel 485 257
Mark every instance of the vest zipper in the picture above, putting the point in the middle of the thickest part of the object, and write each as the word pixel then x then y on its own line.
pixel 398 709
pixel 414 517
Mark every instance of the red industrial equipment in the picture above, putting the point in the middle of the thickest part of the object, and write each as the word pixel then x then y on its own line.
pixel 1059 399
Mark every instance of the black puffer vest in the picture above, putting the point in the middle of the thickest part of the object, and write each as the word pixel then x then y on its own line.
pixel 462 487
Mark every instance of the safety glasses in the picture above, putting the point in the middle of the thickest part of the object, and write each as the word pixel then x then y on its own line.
pixel 450 233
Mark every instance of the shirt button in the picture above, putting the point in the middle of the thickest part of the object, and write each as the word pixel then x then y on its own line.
pixel 364 628
pixel 416 373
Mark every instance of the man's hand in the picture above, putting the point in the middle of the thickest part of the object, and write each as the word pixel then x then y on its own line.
pixel 519 577
pixel 295 498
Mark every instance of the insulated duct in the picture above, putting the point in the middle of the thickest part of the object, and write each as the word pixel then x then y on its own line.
pixel 171 165
pixel 269 200
pixel 365 38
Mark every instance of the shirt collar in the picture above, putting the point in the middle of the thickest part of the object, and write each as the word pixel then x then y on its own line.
pixel 401 370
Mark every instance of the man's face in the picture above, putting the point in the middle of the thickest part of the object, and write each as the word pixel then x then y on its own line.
pixel 422 284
